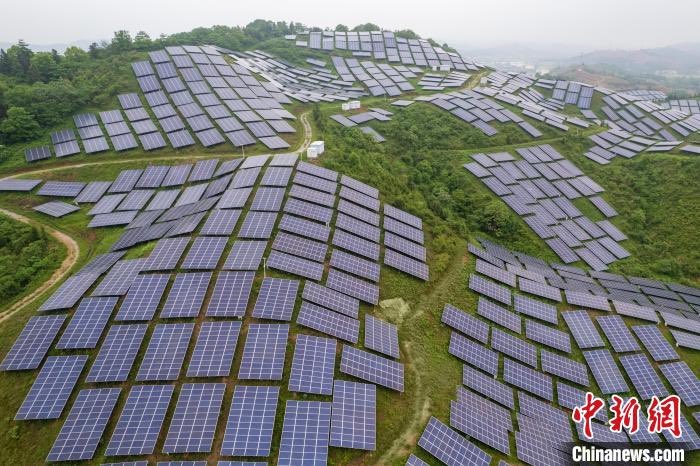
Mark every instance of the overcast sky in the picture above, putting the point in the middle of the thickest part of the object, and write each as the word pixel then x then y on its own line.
pixel 592 23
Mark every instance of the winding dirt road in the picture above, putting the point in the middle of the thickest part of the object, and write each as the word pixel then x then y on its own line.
pixel 59 273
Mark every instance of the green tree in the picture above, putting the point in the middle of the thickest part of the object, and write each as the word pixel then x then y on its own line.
pixel 121 41
pixel 366 27
pixel 341 28
pixel 43 67
pixel 142 41
pixel 19 126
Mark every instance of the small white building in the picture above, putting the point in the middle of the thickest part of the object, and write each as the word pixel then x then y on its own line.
pixel 352 105
pixel 315 149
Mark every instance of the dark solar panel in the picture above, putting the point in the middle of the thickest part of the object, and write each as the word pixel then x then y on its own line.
pixel 143 297
pixel 465 323
pixel 381 336
pixel 33 343
pixel 450 447
pixel 582 329
pixel 354 415
pixel 166 352
pixel 87 324
pixel 372 368
pixel 205 253
pixel 231 294
pixel 251 421
pixel 194 420
pixel 474 353
pixel 83 428
pixel 295 265
pixel 684 382
pixel 305 433
pixel 654 341
pixel 117 353
pixel 313 365
pixel 605 371
pixel 646 381
pixel 328 322
pixel 258 225
pixel 276 299
pixel 264 352
pixel 214 351
pixel 186 295
pixel 52 388
pixel 141 419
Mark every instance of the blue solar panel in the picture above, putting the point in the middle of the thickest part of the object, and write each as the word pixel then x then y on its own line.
pixel 33 343
pixel 381 336
pixel 328 322
pixel 605 371
pixel 140 421
pixel 117 354
pixel 305 433
pixel 450 447
pixel 165 352
pixel 83 428
pixel 251 421
pixel 52 388
pixel 276 299
pixel 186 295
pixel 354 415
pixel 194 420
pixel 231 294
pixel 213 353
pixel 143 297
pixel 87 324
pixel 313 365
pixel 474 353
pixel 264 352
pixel 372 368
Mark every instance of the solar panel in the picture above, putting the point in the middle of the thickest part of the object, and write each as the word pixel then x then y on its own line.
pixel 166 352
pixel 413 460
pixel 514 347
pixel 65 149
pixel 359 228
pixel 117 353
pixel 179 138
pixel 496 273
pixel 372 368
pixel 586 300
pixel 93 191
pixel 582 329
pixel 646 381
pixel 565 368
pixel 303 247
pixel 473 353
pixel 381 336
pixel 314 182
pixel 284 160
pixel 186 295
pixel 194 420
pixel 18 185
pixel 56 209
pixel 547 336
pixel 258 225
pixel 316 170
pixel 528 379
pixel 305 433
pixel 475 425
pixel 205 253
pixel 295 265
pixel 312 195
pixel 488 386
pixel 203 170
pixel 313 365
pixel 465 323
pixel 308 210
pixel 358 212
pixel 83 428
pixel 107 204
pixel 499 315
pixel 231 294
pixel 304 228
pixel 276 176
pixel 490 289
pixel 87 324
pixel 213 353
pixel 264 352
pixel 535 308
pixel 112 219
pixel 605 371
pixel 141 419
pixel 618 334
pixel 52 388
pixel 143 297
pixel 450 447
pixel 33 343
pixel 354 418
pixel 276 299
pixel 355 287
pixel 654 341
pixel 251 421
pixel 356 244
pixel 61 188
pixel 403 230
pixel 166 254
pixel 684 381
pixel 406 264
pixel 245 177
pixel 328 322
pixel 686 340
pixel 403 216
pixel 540 289
pixel 32 154
pixel 125 181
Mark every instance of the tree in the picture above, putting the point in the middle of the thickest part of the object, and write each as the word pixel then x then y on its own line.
pixel 341 28
pixel 43 67
pixel 366 27
pixel 497 220
pixel 142 40
pixel 19 126
pixel 121 41
pixel 94 50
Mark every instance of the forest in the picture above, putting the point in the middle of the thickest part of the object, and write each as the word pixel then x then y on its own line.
pixel 27 257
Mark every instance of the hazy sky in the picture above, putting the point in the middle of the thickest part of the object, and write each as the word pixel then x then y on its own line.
pixel 592 23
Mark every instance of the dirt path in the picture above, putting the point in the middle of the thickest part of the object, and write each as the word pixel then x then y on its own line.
pixel 308 133
pixel 59 273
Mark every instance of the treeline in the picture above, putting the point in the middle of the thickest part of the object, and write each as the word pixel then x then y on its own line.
pixel 27 255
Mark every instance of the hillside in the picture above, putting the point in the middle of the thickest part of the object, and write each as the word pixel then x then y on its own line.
pixel 467 238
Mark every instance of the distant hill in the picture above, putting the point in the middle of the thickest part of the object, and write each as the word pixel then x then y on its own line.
pixel 679 59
